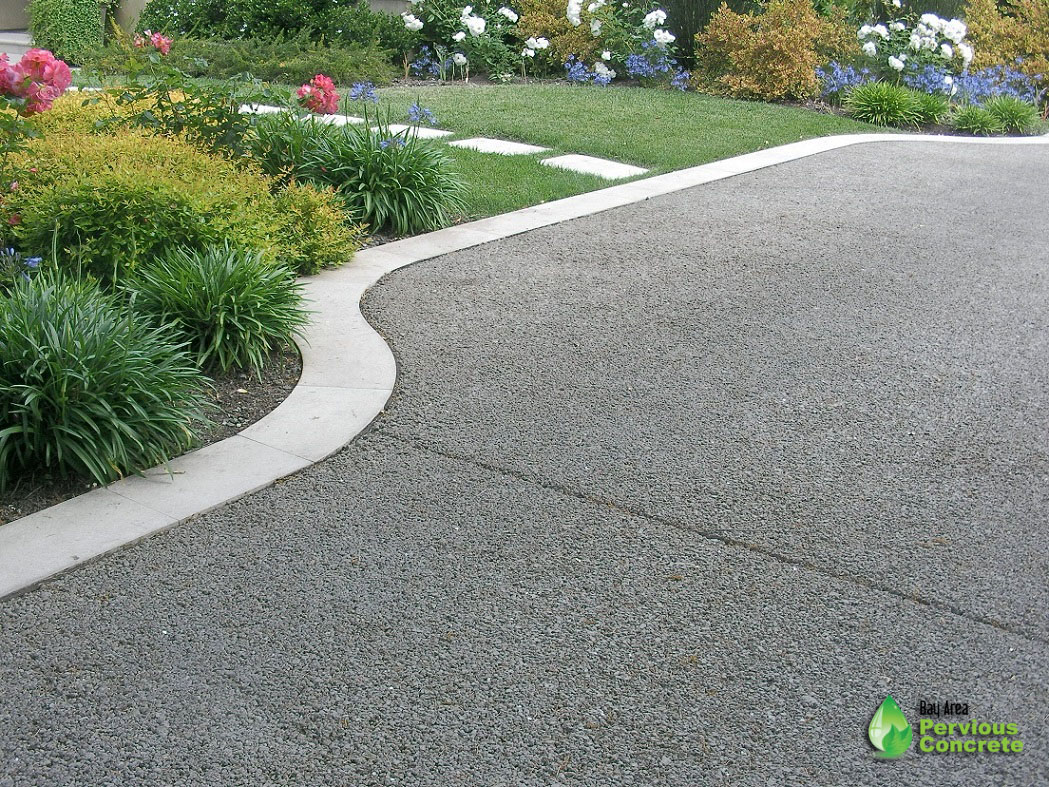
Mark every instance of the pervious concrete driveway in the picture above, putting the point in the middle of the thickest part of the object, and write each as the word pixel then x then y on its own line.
pixel 670 495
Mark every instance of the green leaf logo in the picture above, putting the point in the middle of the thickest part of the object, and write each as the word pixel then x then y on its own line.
pixel 889 731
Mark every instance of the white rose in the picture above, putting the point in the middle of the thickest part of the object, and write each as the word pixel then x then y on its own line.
pixel 663 37
pixel 475 25
pixel 655 19
pixel 411 21
pixel 509 13
pixel 897 26
pixel 895 64
pixel 459 36
pixel 947 51
pixel 606 55
pixel 459 59
pixel 526 52
pixel 966 52
pixel 881 31
pixel 955 30
pixel 602 70
pixel 575 8
pixel 542 43
pixel 595 27
pixel 870 49
pixel 864 31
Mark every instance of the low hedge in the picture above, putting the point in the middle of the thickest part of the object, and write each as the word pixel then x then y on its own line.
pixel 287 60
pixel 104 202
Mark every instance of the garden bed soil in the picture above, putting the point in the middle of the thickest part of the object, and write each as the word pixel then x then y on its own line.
pixel 241 399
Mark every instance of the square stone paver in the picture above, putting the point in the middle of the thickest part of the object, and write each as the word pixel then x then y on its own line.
pixel 501 146
pixel 590 165
pixel 422 132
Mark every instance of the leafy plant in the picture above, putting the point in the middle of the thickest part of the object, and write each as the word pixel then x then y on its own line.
pixel 1013 32
pixel 772 55
pixel 931 108
pixel 285 59
pixel 313 231
pixel 87 387
pixel 884 104
pixel 107 202
pixel 390 181
pixel 206 113
pixel 977 121
pixel 231 307
pixel 1016 116
pixel 67 28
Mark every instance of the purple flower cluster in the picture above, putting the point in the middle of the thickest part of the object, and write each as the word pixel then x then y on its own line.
pixel 364 91
pixel 930 79
pixel 425 66
pixel 836 79
pixel 986 83
pixel 418 114
pixel 13 265
pixel 652 62
pixel 577 72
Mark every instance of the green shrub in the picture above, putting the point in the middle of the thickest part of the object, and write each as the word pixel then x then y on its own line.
pixel 358 23
pixel 188 17
pixel 932 108
pixel 772 55
pixel 108 202
pixel 391 182
pixel 230 306
pixel 1016 116
pixel 314 232
pixel 977 121
pixel 883 104
pixel 1013 32
pixel 68 28
pixel 285 60
pixel 87 387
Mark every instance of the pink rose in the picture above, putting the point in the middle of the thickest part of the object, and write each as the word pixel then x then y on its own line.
pixel 161 42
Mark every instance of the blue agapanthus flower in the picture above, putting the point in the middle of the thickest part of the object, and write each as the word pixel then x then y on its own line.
pixel 418 115
pixel 364 91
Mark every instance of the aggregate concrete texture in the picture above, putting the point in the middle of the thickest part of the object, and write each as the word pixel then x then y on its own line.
pixel 673 494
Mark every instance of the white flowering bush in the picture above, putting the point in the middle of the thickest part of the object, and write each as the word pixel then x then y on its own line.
pixel 631 40
pixel 480 37
pixel 905 46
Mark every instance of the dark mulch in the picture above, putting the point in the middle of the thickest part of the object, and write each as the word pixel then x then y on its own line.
pixel 241 399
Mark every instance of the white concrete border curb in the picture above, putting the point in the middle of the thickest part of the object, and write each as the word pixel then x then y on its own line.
pixel 347 377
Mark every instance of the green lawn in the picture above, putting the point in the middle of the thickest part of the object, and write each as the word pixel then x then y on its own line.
pixel 662 130
pixel 659 129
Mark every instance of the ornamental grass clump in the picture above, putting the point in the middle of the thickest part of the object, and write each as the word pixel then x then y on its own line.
pixel 87 387
pixel 977 121
pixel 884 104
pixel 1016 116
pixel 230 307
pixel 391 181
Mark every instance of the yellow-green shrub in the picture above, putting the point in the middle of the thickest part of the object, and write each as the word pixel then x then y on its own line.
pixel 546 19
pixel 104 202
pixel 771 55
pixel 1015 29
pixel 107 201
pixel 313 232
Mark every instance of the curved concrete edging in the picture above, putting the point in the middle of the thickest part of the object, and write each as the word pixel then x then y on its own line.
pixel 347 377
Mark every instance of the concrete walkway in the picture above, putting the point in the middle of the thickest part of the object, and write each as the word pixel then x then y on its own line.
pixel 674 494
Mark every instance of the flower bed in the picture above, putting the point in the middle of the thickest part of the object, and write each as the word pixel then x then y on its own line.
pixel 147 258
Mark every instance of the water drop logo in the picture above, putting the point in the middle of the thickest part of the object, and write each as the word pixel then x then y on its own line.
pixel 889 731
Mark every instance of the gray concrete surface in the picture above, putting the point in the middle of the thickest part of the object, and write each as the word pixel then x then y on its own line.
pixel 671 495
